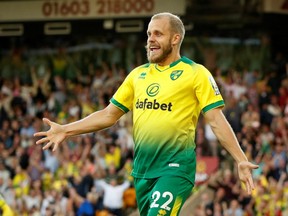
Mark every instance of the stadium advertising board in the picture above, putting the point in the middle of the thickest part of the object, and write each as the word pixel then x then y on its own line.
pixel 206 166
pixel 85 9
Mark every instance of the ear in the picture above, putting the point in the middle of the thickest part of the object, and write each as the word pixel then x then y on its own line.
pixel 176 39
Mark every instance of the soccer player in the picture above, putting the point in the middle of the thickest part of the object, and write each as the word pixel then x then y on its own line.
pixel 166 95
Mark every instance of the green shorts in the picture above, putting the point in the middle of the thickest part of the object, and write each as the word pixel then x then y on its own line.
pixel 162 196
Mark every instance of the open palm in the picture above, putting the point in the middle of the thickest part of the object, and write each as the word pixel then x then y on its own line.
pixel 53 137
pixel 244 170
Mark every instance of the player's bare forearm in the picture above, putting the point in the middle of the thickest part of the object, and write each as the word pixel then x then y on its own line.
pixel 225 134
pixel 94 122
pixel 227 138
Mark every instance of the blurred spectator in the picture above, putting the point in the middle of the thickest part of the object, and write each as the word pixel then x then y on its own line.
pixel 51 161
pixel 203 147
pixel 129 200
pixel 282 98
pixel 87 207
pixel 32 200
pixel 274 82
pixel 227 182
pixel 36 165
pixel 60 63
pixel 113 195
pixel 4 173
pixel 273 107
pixel 214 207
pixel 265 116
pixel 250 78
pixel 232 112
pixel 234 209
pixel 5 209
pixel 250 117
pixel 212 139
pixel 113 155
pixel 21 185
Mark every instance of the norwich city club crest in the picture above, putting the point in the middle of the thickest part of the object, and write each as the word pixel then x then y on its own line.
pixel 176 74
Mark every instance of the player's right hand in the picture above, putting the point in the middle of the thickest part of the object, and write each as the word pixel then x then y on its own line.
pixel 53 137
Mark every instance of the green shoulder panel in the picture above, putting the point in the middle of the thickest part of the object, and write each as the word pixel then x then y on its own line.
pixel 187 60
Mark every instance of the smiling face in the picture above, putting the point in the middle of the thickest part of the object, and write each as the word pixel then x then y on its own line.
pixel 160 42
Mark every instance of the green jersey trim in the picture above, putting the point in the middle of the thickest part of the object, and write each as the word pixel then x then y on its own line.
pixel 156 67
pixel 213 105
pixel 119 105
pixel 176 62
pixel 145 65
pixel 185 60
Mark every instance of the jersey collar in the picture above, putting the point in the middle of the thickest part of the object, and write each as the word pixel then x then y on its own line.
pixel 163 68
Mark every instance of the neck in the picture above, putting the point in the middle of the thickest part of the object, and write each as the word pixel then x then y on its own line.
pixel 169 60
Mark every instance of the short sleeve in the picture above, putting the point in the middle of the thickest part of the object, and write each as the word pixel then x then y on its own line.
pixel 206 89
pixel 124 96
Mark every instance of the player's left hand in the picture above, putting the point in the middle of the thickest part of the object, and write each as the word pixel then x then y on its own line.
pixel 245 174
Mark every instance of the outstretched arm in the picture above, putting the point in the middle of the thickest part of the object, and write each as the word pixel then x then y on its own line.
pixel 228 140
pixel 94 122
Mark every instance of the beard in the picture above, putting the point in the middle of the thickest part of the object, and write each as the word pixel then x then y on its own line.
pixel 159 57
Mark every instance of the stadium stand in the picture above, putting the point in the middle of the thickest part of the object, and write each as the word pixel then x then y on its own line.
pixel 67 76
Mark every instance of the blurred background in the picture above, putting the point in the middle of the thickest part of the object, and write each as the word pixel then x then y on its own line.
pixel 64 59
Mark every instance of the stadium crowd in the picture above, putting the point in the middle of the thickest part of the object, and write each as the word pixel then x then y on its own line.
pixel 89 174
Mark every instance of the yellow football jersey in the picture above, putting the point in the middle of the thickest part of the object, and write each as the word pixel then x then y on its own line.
pixel 166 102
pixel 5 208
